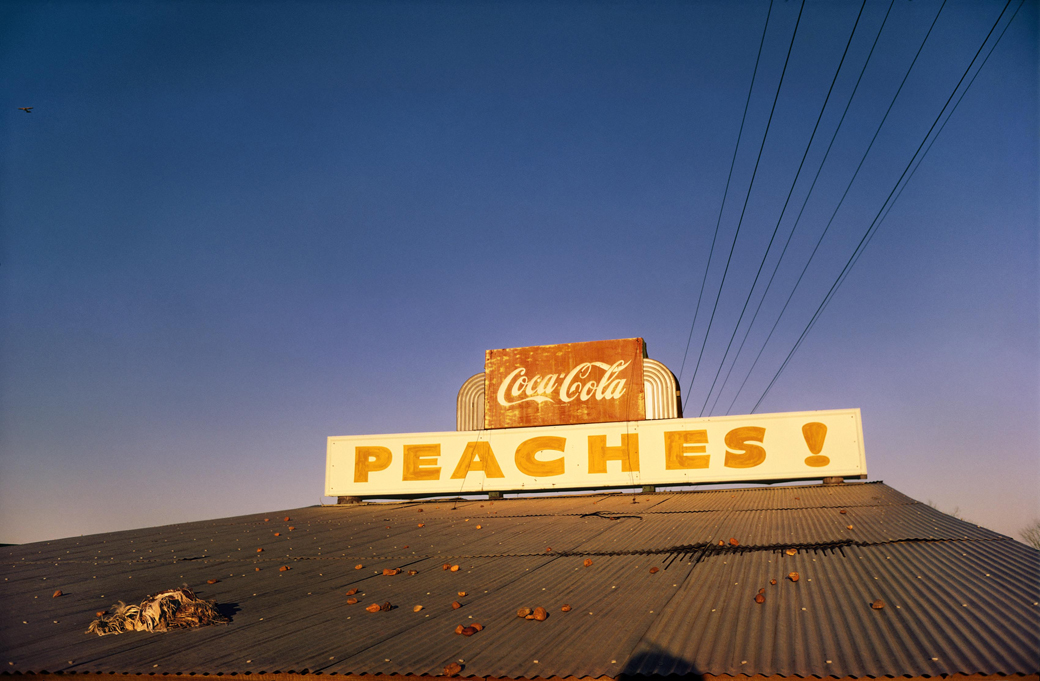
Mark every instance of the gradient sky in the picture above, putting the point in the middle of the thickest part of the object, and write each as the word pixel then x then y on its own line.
pixel 229 230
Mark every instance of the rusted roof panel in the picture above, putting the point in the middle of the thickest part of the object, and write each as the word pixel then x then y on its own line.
pixel 958 599
pixel 784 497
pixel 792 527
pixel 948 608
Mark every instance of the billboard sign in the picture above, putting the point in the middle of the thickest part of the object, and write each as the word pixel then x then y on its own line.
pixel 760 447
pixel 548 385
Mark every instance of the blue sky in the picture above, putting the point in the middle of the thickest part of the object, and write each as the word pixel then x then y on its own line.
pixel 230 230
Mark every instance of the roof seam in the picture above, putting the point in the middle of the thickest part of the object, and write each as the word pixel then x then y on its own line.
pixel 609 514
pixel 708 548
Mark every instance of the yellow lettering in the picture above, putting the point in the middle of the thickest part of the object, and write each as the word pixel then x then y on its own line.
pixel 679 444
pixel 420 462
pixel 627 453
pixel 478 457
pixel 815 433
pixel 368 459
pixel 529 465
pixel 748 454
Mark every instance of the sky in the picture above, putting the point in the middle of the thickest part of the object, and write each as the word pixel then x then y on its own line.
pixel 230 230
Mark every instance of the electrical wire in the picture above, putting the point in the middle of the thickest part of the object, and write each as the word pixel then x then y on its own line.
pixel 888 210
pixel 747 196
pixel 845 194
pixel 939 131
pixel 776 229
pixel 725 192
pixel 875 222
pixel 798 219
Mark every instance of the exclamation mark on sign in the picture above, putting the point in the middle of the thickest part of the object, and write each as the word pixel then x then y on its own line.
pixel 815 433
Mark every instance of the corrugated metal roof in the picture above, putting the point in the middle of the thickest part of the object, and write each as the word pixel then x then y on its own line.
pixel 959 599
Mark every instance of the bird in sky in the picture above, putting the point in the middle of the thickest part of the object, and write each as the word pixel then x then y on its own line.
pixel 26 109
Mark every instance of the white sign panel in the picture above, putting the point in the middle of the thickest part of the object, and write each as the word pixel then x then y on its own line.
pixel 791 446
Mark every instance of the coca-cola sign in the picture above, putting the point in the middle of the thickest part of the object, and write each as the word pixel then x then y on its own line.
pixel 570 383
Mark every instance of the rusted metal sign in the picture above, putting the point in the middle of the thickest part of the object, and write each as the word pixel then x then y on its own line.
pixel 548 385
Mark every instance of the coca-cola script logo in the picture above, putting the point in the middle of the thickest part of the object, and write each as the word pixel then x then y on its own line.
pixel 565 387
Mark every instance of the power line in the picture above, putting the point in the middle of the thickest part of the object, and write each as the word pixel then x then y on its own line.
pixel 798 220
pixel 732 162
pixel 888 210
pixel 845 194
pixel 782 212
pixel 875 223
pixel 943 126
pixel 751 184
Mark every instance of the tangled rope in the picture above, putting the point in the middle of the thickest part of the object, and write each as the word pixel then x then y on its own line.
pixel 171 609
